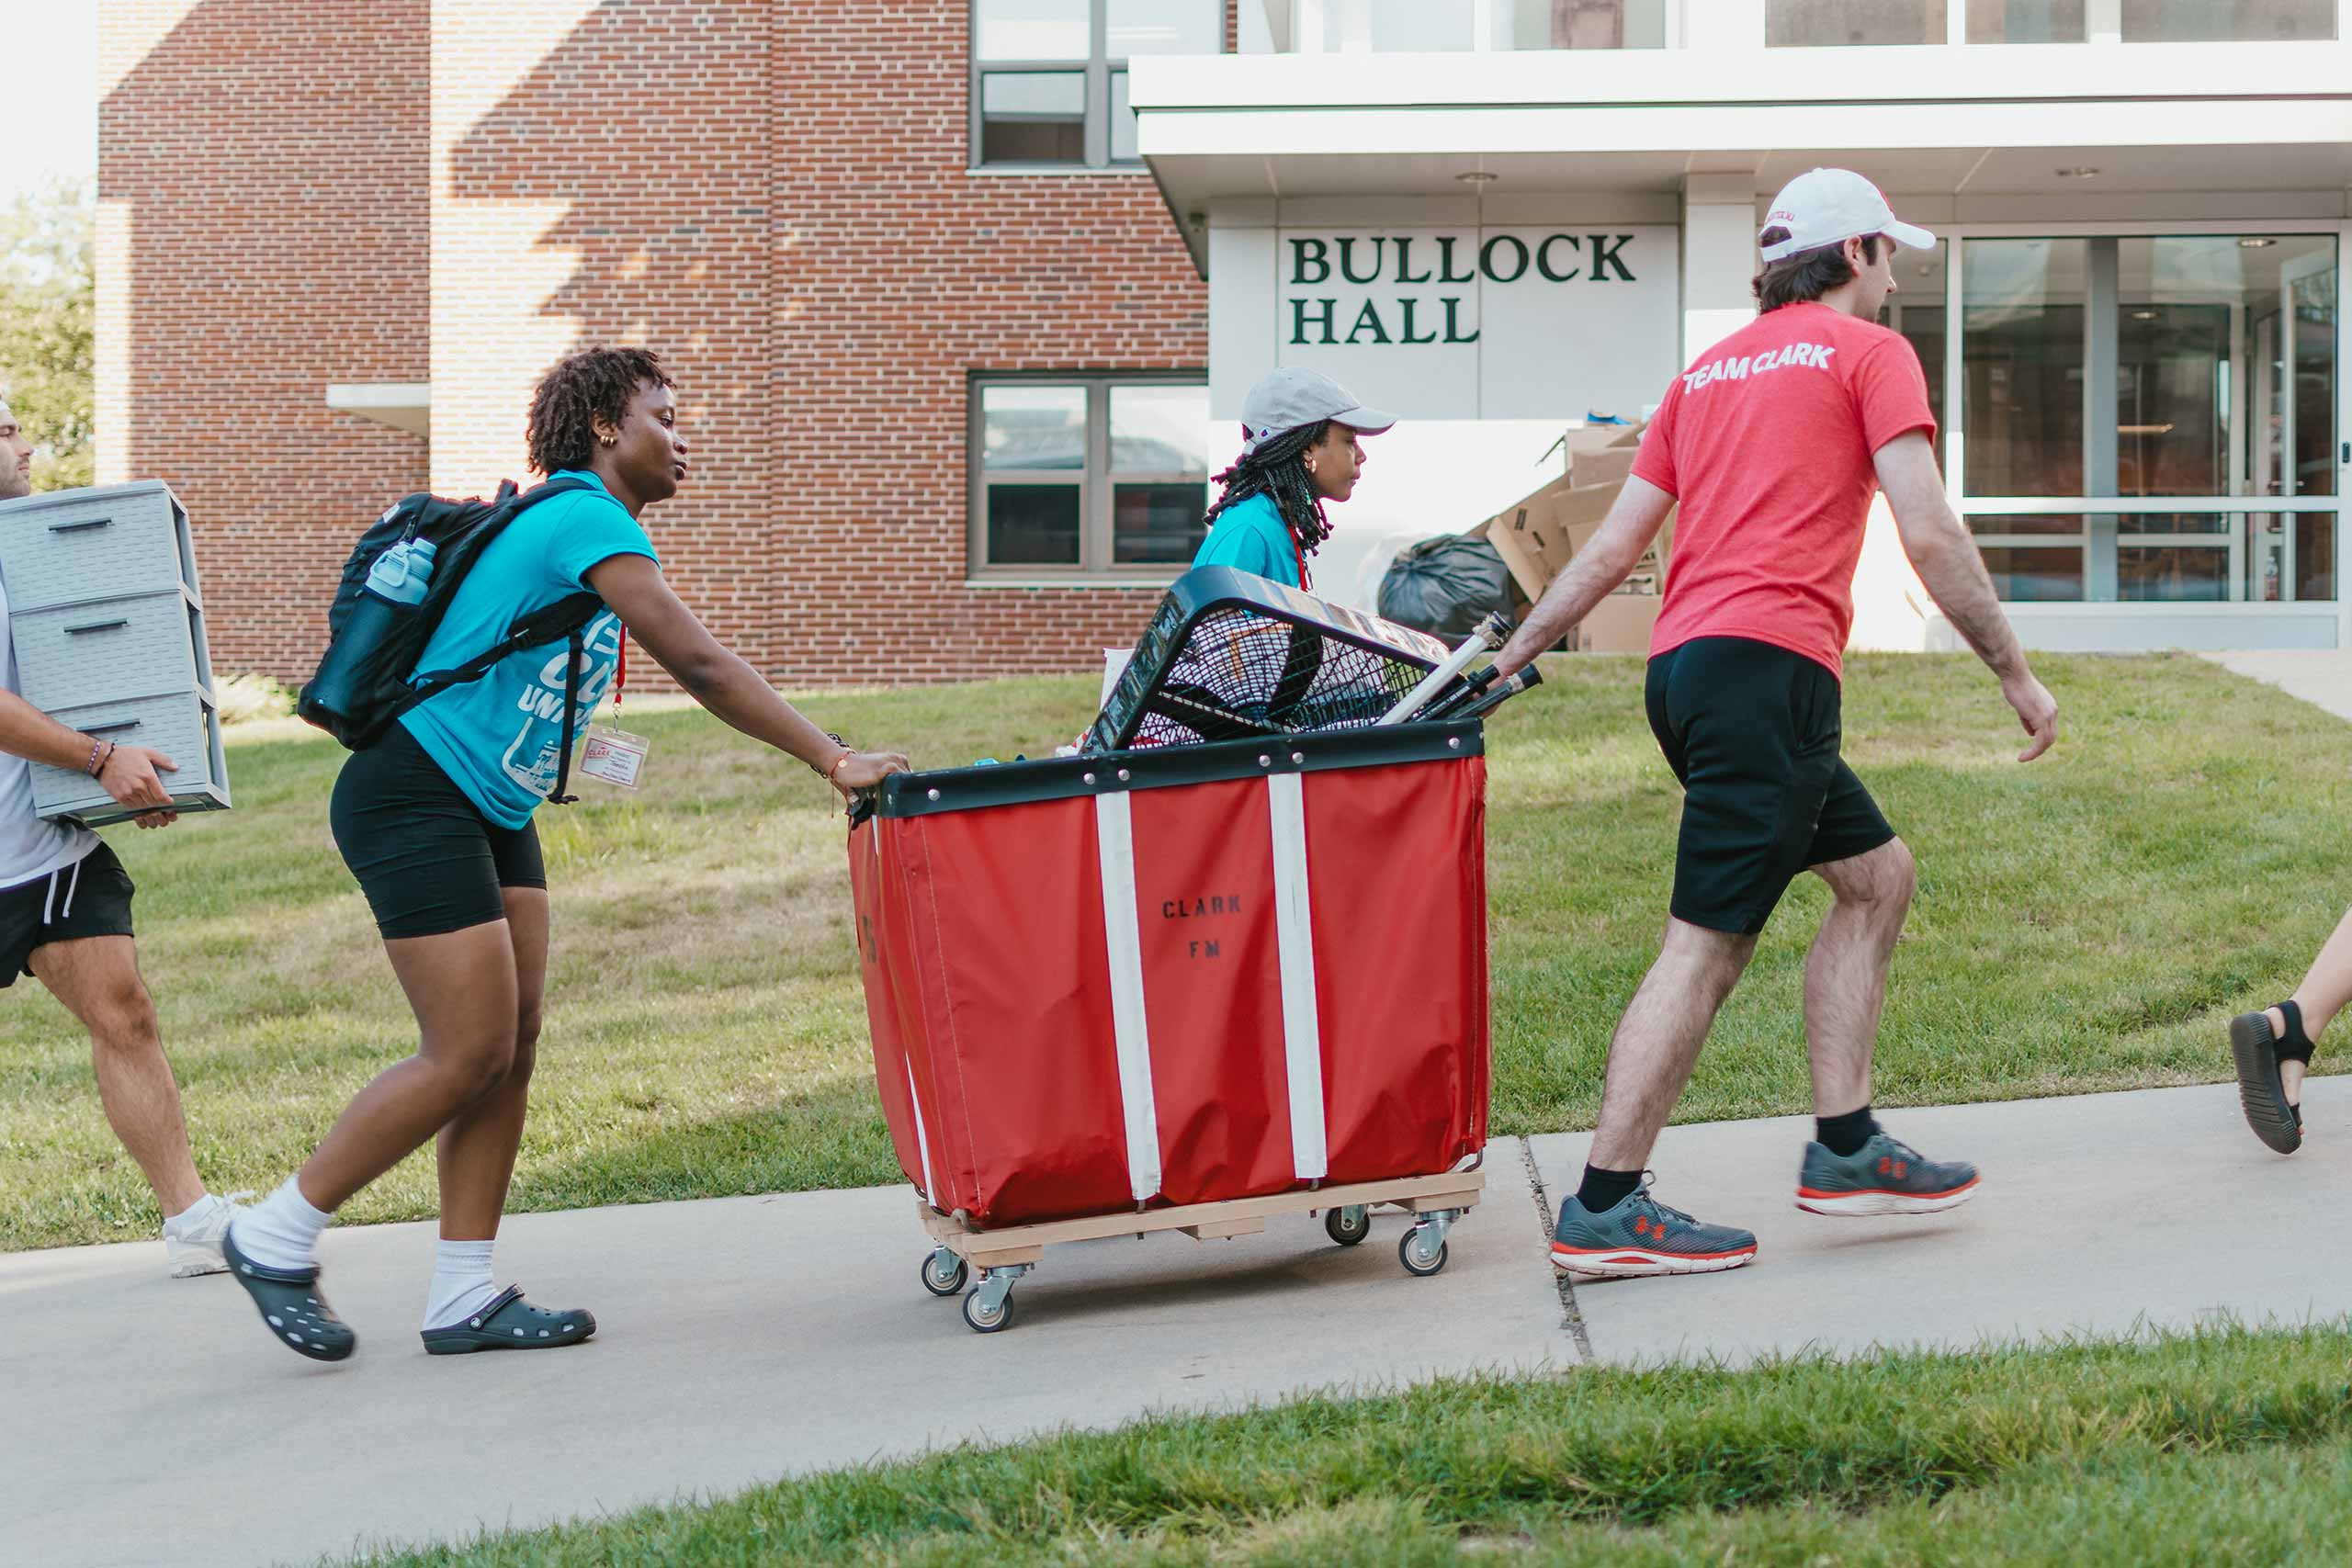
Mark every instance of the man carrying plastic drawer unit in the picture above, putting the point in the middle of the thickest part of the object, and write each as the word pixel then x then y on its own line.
pixel 65 920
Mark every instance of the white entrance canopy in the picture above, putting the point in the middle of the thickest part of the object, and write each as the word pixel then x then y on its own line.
pixel 1970 124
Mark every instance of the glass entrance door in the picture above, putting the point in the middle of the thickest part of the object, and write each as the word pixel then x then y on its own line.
pixel 2150 419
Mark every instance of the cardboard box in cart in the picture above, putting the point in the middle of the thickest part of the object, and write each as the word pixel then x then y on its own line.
pixel 1181 987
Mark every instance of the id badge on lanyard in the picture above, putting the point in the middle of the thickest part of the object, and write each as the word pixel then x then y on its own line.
pixel 611 755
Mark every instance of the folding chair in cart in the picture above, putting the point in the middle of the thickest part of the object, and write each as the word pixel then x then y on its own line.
pixel 1189 986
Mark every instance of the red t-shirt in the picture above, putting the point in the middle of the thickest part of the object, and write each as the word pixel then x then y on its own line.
pixel 1766 441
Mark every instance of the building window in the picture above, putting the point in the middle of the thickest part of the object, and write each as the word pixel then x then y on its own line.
pixel 2027 21
pixel 2227 21
pixel 1916 310
pixel 1050 78
pixel 2183 379
pixel 1089 475
pixel 1579 24
pixel 1805 24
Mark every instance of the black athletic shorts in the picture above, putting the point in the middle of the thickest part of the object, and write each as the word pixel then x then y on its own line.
pixel 89 898
pixel 426 857
pixel 1752 732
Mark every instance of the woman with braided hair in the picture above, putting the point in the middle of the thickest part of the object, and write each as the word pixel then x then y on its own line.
pixel 1300 451
pixel 435 821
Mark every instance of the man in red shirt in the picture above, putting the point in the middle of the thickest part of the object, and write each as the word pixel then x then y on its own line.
pixel 1773 442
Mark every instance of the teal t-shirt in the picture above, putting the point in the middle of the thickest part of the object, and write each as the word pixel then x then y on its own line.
pixel 499 738
pixel 1249 536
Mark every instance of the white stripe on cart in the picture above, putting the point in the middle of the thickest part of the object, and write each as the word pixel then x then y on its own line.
pixel 922 1139
pixel 1295 936
pixel 1123 935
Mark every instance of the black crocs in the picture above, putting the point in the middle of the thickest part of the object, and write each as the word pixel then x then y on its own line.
pixel 2263 1098
pixel 510 1323
pixel 291 1303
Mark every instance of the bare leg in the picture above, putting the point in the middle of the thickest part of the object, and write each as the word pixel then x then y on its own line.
pixel 1657 1040
pixel 97 979
pixel 477 1148
pixel 1845 975
pixel 2321 997
pixel 461 985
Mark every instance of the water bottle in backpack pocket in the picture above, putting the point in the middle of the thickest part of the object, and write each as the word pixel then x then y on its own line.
pixel 396 584
pixel 396 589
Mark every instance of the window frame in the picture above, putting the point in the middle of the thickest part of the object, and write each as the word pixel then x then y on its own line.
pixel 1098 68
pixel 1971 507
pixel 1095 568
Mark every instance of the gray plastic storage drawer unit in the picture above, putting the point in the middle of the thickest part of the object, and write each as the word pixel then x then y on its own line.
pixel 108 629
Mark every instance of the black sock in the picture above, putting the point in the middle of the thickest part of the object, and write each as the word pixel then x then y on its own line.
pixel 1604 1190
pixel 1845 1135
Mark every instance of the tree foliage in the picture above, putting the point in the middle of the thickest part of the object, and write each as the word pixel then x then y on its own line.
pixel 47 331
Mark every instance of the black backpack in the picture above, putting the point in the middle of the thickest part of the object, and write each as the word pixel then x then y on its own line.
pixel 357 691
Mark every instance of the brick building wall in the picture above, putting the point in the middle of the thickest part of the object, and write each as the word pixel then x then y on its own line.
pixel 775 194
pixel 262 222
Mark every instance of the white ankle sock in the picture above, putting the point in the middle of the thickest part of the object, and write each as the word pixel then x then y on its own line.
pixel 461 1282
pixel 282 1230
pixel 199 1209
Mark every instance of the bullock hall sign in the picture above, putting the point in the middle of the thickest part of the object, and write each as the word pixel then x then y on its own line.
pixel 1505 321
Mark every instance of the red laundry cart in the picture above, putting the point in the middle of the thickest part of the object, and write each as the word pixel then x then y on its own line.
pixel 1180 988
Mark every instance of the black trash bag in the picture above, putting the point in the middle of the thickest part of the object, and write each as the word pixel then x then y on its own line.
pixel 1445 586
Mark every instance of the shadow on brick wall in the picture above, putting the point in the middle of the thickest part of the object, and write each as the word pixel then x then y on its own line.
pixel 649 122
pixel 265 169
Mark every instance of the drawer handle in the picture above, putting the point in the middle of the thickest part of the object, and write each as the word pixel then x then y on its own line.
pixel 97 626
pixel 110 729
pixel 79 527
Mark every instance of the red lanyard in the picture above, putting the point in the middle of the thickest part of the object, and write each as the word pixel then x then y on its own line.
pixel 620 674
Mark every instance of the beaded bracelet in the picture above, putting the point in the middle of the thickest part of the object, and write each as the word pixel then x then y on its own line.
pixel 98 762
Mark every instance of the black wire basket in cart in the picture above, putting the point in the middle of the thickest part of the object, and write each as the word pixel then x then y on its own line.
pixel 1229 655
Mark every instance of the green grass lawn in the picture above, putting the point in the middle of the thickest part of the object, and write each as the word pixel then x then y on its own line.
pixel 2084 923
pixel 2226 1447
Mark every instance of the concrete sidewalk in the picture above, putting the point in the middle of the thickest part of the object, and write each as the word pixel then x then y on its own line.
pixel 746 1339
pixel 740 1339
pixel 2099 1213
pixel 2323 679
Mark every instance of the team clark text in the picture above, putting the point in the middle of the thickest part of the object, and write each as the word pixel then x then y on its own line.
pixel 1363 260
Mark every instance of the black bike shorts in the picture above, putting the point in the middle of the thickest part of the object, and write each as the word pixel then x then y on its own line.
pixel 1752 732
pixel 426 857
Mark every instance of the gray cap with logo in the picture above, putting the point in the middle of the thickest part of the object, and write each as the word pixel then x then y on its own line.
pixel 1294 395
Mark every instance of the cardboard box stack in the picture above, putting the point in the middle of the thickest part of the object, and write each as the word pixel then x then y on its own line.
pixel 1538 535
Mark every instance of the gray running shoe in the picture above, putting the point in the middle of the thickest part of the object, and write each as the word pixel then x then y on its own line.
pixel 1883 1177
pixel 1642 1235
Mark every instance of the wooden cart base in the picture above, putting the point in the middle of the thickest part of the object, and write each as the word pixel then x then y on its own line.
pixel 1004 1254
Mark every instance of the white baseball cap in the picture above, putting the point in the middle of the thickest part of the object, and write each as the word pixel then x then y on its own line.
pixel 1830 207
pixel 1293 396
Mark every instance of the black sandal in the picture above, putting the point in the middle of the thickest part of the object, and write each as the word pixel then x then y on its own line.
pixel 510 1323
pixel 291 1303
pixel 2258 1051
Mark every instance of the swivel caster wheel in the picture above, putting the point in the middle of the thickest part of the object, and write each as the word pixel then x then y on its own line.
pixel 1348 1226
pixel 943 1273
pixel 1421 1255
pixel 982 1320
